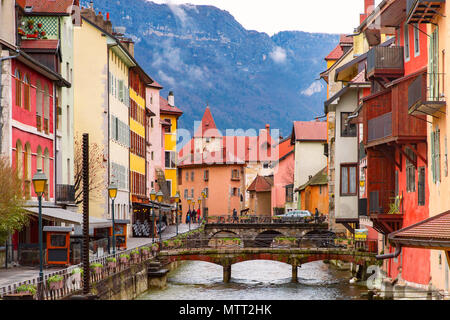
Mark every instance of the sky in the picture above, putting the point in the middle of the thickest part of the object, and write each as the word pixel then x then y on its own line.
pixel 272 16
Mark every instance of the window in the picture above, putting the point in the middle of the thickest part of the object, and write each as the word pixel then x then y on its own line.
pixel 406 40
pixel 347 130
pixel 436 155
pixel 151 122
pixel 46 109
pixel 192 193
pixel 206 175
pixel 169 186
pixel 26 93
pixel 290 193
pixel 187 176
pixel 192 175
pixel 416 40
pixel 18 88
pixel 348 180
pixel 38 106
pixel 421 187
pixel 206 193
pixel 234 192
pixel 170 159
pixel 235 174
pixel 186 193
pixel 410 171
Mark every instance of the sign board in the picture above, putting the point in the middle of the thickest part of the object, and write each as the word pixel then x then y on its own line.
pixel 361 234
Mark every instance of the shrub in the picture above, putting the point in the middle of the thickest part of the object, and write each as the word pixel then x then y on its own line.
pixel 27 288
pixel 55 278
pixel 135 251
pixel 111 259
pixel 124 255
pixel 96 265
pixel 76 270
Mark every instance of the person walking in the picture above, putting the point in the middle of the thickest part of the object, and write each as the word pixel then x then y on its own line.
pixel 235 216
pixel 188 216
pixel 316 216
pixel 198 215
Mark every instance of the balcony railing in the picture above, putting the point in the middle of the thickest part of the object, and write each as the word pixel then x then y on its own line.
pixel 422 11
pixel 385 62
pixel 65 193
pixel 380 127
pixel 423 99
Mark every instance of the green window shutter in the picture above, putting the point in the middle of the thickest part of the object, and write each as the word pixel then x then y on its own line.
pixel 438 155
pixel 433 171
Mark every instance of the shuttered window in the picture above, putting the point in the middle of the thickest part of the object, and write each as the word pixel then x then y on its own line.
pixel 436 156
pixel 421 187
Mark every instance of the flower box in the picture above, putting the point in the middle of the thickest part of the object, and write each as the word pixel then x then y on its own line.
pixel 96 268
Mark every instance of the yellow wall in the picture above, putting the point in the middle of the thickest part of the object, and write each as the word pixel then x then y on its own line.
pixel 170 144
pixel 90 83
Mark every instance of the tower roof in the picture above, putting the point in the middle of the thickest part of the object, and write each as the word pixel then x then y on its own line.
pixel 207 128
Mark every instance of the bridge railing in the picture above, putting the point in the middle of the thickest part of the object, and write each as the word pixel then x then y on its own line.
pixel 253 219
pixel 271 242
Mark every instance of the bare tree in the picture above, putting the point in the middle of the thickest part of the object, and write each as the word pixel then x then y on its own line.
pixel 12 213
pixel 96 166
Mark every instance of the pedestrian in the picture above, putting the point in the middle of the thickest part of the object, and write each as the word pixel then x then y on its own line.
pixel 235 216
pixel 198 215
pixel 316 216
pixel 193 216
pixel 188 216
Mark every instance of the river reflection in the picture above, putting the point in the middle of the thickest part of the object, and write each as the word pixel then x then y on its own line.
pixel 256 280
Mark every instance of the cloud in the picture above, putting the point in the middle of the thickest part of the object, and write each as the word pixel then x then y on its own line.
pixel 278 55
pixel 178 12
pixel 166 79
pixel 315 87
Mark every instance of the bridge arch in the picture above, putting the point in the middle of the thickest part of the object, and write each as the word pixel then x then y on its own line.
pixel 265 238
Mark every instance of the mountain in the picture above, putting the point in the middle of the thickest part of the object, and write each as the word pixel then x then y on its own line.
pixel 204 55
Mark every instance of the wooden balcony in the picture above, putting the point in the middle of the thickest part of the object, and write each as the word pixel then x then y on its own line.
pixel 385 63
pixel 380 127
pixel 423 100
pixel 385 211
pixel 422 11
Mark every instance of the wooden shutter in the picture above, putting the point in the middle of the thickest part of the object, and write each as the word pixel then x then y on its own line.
pixel 433 169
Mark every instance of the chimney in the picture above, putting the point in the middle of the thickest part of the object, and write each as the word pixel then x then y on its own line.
pixel 171 99
pixel 369 7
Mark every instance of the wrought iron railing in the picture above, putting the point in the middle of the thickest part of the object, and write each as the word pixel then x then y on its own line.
pixel 253 219
pixel 380 127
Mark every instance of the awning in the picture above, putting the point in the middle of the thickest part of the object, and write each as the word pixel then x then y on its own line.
pixel 67 216
pixel 432 233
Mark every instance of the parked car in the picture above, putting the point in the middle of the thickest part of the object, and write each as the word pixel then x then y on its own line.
pixel 295 216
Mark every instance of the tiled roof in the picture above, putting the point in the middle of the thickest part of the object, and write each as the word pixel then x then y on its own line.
pixel 360 78
pixel 320 178
pixel 335 54
pixel 285 147
pixel 39 44
pixel 51 6
pixel 156 85
pixel 434 228
pixel 261 184
pixel 344 39
pixel 165 108
pixel 207 127
pixel 310 131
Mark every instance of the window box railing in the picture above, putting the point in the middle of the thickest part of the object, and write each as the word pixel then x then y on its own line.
pixel 385 62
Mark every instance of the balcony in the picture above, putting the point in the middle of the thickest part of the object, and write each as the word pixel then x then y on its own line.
pixel 386 211
pixel 426 100
pixel 65 193
pixel 380 127
pixel 421 11
pixel 385 62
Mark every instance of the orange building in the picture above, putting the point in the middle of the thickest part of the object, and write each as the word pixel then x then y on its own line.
pixel 314 193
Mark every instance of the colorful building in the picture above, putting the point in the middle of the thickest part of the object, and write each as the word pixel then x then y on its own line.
pixel 314 193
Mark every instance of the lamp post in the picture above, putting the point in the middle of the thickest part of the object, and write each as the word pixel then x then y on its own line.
pixel 203 207
pixel 39 182
pixel 153 198
pixel 177 200
pixel 112 192
pixel 159 197
pixel 189 201
pixel 199 203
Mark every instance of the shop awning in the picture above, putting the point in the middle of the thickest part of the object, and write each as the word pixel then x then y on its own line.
pixel 432 233
pixel 67 216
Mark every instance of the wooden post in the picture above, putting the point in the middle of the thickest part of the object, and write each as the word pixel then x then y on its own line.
pixel 85 247
pixel 226 273
pixel 294 273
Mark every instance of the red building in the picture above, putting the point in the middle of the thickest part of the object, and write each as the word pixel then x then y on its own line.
pixel 396 141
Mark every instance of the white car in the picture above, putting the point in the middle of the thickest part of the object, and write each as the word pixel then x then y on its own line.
pixel 296 215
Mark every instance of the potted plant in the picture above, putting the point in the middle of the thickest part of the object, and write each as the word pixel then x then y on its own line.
pixel 111 262
pixel 135 255
pixel 27 288
pixel 39 25
pixel 43 33
pixel 76 275
pixel 55 282
pixel 123 258
pixel 30 24
pixel 97 268
pixel 145 251
pixel 20 31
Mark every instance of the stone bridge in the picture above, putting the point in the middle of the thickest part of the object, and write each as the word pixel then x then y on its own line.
pixel 262 231
pixel 293 256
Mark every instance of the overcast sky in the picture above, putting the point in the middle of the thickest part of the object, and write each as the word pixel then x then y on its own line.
pixel 272 16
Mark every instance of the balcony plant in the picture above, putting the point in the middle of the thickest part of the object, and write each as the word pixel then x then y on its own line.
pixel 30 24
pixel 111 262
pixel 76 274
pixel 123 258
pixel 39 25
pixel 135 255
pixel 145 252
pixel 394 207
pixel 97 268
pixel 55 282
pixel 283 241
pixel 27 288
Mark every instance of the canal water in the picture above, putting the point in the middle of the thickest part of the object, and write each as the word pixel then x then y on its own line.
pixel 256 280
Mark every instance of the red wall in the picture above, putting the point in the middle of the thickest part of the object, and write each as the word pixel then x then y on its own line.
pixel 415 63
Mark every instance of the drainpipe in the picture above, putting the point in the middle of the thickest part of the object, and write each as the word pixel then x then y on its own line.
pixel 398 250
pixel 1 90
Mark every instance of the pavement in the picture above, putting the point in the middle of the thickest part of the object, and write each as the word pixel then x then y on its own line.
pixel 22 273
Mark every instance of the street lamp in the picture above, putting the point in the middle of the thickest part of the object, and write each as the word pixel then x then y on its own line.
pixel 205 217
pixel 189 201
pixel 39 183
pixel 159 197
pixel 177 200
pixel 199 203
pixel 153 198
pixel 112 192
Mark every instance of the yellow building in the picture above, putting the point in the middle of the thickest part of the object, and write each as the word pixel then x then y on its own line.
pixel 101 103
pixel 169 114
